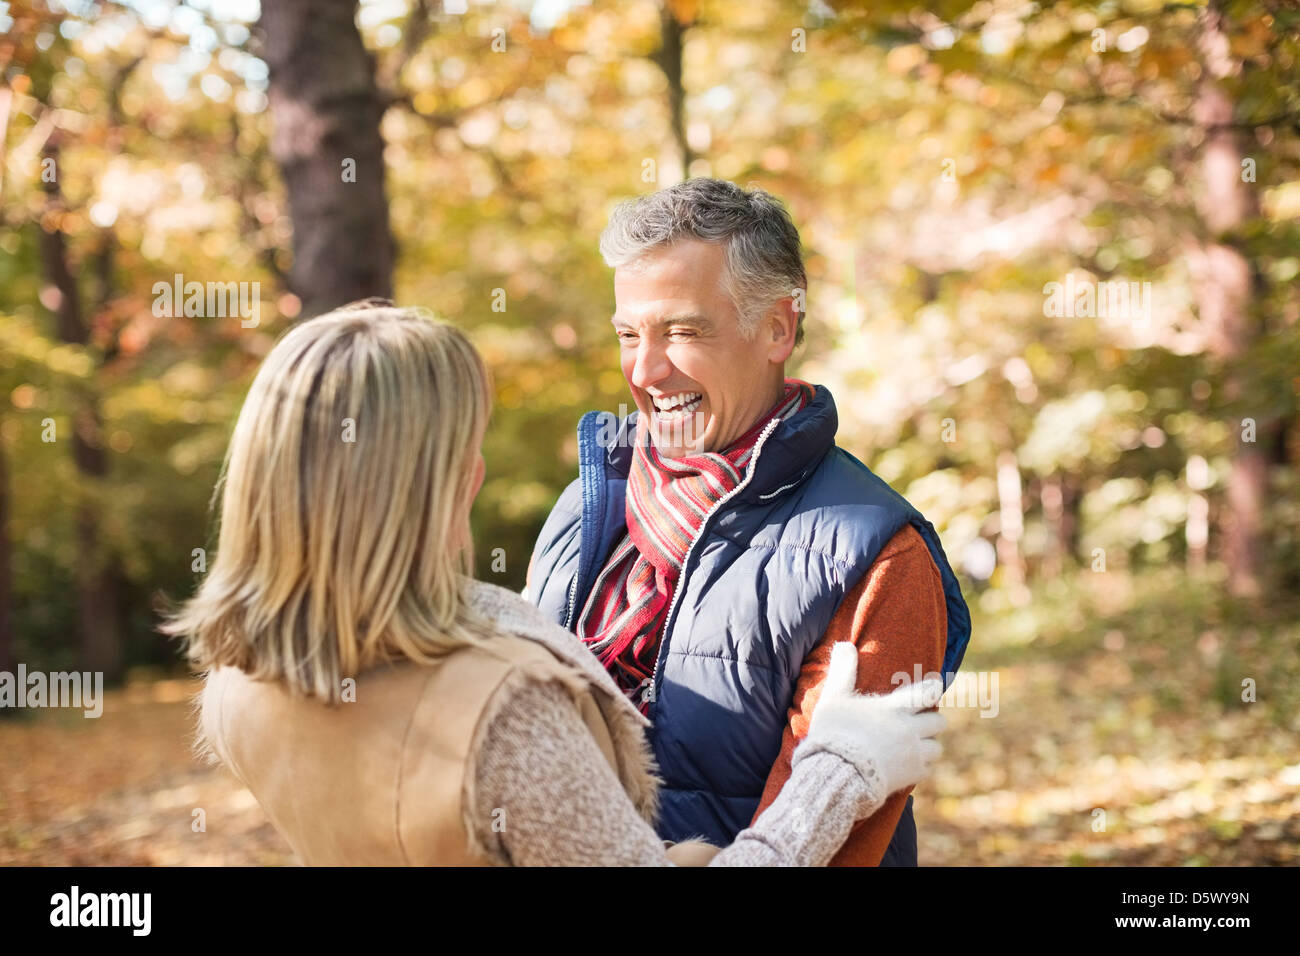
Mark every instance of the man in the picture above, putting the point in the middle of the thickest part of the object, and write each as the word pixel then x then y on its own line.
pixel 717 543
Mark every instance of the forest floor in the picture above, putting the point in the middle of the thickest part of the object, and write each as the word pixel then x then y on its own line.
pixel 1117 735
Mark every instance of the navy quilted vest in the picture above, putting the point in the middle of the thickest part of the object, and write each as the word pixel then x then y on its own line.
pixel 759 587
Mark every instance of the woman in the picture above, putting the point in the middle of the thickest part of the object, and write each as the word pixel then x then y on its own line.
pixel 383 707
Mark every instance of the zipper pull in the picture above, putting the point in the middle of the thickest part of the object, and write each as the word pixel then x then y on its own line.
pixel 648 691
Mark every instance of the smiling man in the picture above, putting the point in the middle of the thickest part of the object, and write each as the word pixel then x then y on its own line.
pixel 717 542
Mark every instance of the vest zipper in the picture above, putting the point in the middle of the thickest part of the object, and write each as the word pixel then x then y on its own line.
pixel 583 466
pixel 573 590
pixel 649 695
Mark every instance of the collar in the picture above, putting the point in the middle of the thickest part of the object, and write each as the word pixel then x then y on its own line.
pixel 511 613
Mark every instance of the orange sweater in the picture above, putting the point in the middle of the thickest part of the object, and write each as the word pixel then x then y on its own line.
pixel 897 617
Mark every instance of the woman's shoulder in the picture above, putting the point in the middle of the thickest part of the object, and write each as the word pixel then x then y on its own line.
pixel 508 611
pixel 516 621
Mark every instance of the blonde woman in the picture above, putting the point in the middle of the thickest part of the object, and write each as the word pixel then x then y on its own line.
pixel 383 707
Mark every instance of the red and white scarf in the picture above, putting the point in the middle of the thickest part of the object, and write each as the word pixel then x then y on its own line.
pixel 668 500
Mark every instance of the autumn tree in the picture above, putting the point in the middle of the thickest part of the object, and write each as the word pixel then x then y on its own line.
pixel 326 108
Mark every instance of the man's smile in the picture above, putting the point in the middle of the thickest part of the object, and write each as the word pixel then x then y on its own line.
pixel 676 407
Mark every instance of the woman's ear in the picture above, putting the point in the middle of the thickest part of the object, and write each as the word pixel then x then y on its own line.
pixel 480 470
pixel 475 486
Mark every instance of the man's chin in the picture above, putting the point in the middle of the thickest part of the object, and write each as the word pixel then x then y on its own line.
pixel 677 440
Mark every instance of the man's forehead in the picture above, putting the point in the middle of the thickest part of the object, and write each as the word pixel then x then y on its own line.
pixel 679 283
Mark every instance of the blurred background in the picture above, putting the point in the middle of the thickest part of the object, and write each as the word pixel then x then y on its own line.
pixel 975 183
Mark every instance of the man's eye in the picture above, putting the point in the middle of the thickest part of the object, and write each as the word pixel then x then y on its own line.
pixel 627 336
pixel 682 333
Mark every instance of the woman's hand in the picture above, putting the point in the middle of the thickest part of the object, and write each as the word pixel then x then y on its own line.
pixel 889 737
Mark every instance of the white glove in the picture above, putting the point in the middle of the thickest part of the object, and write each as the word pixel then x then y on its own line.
pixel 888 738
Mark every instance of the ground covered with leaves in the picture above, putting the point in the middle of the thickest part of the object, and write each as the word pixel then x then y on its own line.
pixel 1118 735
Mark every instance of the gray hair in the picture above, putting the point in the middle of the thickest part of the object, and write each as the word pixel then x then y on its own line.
pixel 764 263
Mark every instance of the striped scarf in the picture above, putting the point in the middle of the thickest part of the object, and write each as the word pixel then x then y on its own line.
pixel 668 500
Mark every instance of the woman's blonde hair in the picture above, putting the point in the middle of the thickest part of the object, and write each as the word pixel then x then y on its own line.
pixel 344 536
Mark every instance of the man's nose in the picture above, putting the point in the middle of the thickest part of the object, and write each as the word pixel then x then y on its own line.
pixel 651 365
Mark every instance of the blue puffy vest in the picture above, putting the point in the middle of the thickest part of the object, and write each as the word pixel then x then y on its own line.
pixel 760 584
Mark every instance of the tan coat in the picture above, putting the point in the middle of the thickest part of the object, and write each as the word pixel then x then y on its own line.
pixel 387 780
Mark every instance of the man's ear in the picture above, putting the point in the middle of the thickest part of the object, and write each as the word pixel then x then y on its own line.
pixel 781 324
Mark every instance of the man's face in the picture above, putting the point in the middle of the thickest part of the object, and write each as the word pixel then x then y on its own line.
pixel 698 383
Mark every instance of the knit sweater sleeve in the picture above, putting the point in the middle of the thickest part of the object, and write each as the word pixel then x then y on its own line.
pixel 898 619
pixel 546 796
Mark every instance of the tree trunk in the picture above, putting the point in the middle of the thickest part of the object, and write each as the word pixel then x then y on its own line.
pixel 1011 523
pixel 1052 497
pixel 96 582
pixel 673 33
pixel 1198 513
pixel 1224 291
pixel 325 110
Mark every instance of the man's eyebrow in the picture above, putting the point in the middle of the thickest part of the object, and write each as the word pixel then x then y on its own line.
pixel 686 318
pixel 683 318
